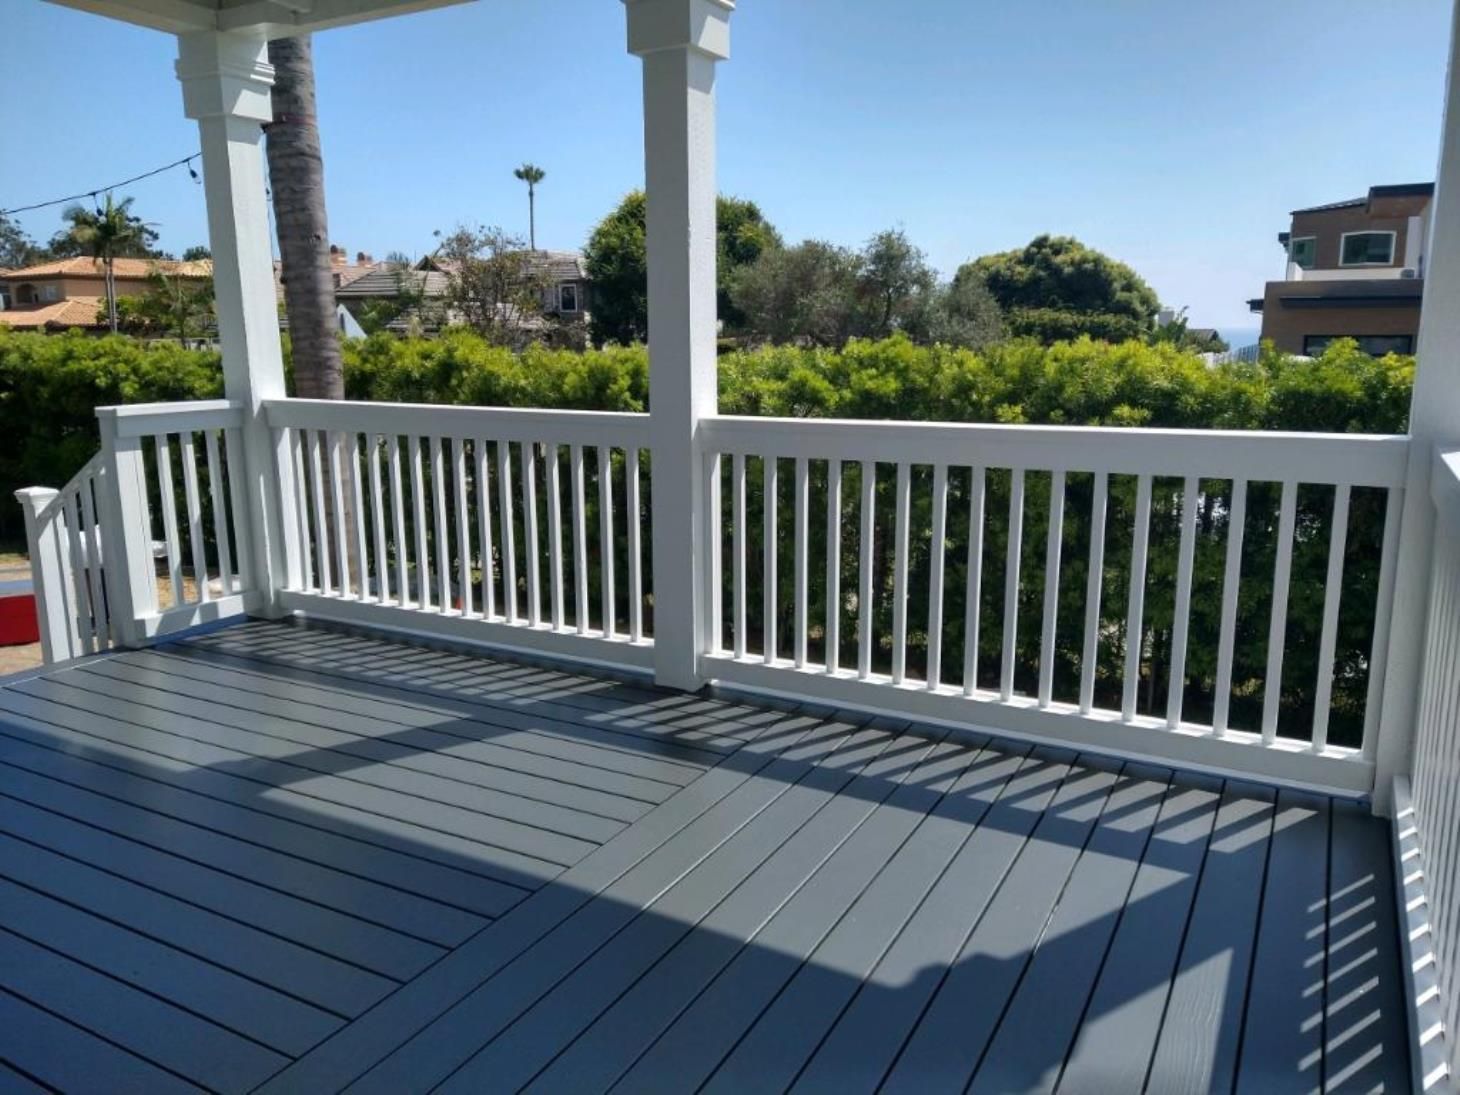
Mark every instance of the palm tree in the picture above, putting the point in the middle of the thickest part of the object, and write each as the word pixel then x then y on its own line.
pixel 531 174
pixel 296 179
pixel 104 232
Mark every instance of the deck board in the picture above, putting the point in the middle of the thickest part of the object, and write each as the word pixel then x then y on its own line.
pixel 299 859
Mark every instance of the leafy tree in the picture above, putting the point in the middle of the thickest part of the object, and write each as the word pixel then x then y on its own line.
pixel 493 287
pixel 105 233
pixel 615 257
pixel 818 294
pixel 531 174
pixel 172 307
pixel 197 253
pixel 1056 288
pixel 895 284
pixel 801 294
pixel 16 248
pixel 965 314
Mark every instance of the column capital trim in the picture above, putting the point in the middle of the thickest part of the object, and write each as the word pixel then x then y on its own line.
pixel 225 74
pixel 701 26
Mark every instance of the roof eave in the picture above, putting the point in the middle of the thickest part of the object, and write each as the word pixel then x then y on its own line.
pixel 274 18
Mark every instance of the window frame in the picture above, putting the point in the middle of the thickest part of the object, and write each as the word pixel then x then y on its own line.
pixel 1313 258
pixel 577 297
pixel 1393 245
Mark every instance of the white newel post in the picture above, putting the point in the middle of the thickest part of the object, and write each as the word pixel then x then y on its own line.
pixel 52 573
pixel 1434 420
pixel 126 533
pixel 679 42
pixel 226 79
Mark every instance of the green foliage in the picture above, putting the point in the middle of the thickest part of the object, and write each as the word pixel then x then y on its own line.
pixel 1049 287
pixel 172 307
pixel 50 386
pixel 818 294
pixel 615 258
pixel 17 249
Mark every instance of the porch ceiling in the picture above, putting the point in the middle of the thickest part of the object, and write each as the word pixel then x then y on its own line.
pixel 277 18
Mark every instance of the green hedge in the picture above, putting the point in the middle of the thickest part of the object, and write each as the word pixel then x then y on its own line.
pixel 49 385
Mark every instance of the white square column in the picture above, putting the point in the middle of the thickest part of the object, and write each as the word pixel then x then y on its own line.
pixel 1434 421
pixel 226 79
pixel 680 41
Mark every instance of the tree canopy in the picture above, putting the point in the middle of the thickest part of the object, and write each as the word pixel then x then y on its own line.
pixel 1056 288
pixel 818 294
pixel 616 262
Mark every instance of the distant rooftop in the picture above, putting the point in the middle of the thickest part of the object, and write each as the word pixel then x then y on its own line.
pixel 1394 190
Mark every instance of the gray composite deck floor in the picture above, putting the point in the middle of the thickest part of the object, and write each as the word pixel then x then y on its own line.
pixel 307 860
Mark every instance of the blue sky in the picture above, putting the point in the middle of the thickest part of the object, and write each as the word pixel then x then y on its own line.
pixel 1175 137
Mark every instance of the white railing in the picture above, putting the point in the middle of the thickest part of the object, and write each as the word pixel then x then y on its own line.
pixel 165 493
pixel 880 510
pixel 518 527
pixel 66 562
pixel 1427 806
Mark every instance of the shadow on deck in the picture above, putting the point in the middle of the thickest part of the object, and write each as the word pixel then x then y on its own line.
pixel 304 860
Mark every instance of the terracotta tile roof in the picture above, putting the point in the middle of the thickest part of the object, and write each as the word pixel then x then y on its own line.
pixel 87 267
pixel 76 312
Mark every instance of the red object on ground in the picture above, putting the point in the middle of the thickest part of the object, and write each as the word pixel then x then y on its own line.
pixel 17 614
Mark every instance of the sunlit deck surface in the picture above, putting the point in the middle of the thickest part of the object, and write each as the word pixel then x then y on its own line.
pixel 308 860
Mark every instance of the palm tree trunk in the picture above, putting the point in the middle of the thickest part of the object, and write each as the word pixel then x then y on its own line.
pixel 531 219
pixel 111 293
pixel 296 178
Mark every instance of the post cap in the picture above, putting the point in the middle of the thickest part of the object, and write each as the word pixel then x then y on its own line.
pixel 225 74
pixel 699 25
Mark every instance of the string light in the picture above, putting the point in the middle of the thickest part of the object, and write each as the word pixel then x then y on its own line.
pixel 186 161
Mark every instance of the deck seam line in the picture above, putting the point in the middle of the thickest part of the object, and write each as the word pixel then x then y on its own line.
pixel 344 1017
pixel 972 827
pixel 1120 770
pixel 347 776
pixel 782 843
pixel 7 728
pixel 1171 785
pixel 148 1061
pixel 723 763
pixel 720 843
pixel 982 912
pixel 9 762
pixel 291 789
pixel 219 870
pixel 933 743
pixel 340 750
pixel 275 1050
pixel 690 768
pixel 419 687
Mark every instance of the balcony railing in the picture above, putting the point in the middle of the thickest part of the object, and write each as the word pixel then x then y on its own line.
pixel 1041 581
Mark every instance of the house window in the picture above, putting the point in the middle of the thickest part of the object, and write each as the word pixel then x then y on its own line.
pixel 567 297
pixel 1301 251
pixel 50 292
pixel 1373 345
pixel 1366 249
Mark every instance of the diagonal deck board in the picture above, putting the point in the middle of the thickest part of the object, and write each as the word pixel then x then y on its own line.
pixel 300 860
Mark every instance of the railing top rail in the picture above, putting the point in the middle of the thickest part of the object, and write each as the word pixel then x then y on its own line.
pixel 495 423
pixel 1363 460
pixel 144 419
pixel 1445 489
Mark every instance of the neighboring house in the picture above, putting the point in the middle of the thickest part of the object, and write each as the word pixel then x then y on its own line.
pixel 566 287
pixel 1355 269
pixel 56 296
pixel 565 295
pixel 387 284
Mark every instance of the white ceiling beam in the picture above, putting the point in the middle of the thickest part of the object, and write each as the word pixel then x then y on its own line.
pixel 174 16
pixel 274 18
